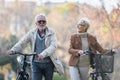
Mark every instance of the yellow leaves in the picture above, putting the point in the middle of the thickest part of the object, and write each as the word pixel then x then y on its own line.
pixel 114 19
pixel 38 10
pixel 42 9
pixel 65 7
pixel 114 16
pixel 105 29
pixel 5 68
pixel 5 34
pixel 62 8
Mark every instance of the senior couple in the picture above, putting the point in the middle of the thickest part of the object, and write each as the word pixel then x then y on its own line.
pixel 43 42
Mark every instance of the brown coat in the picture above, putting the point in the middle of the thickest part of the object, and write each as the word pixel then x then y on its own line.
pixel 76 45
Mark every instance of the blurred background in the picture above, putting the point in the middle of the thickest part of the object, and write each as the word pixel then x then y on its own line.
pixel 17 18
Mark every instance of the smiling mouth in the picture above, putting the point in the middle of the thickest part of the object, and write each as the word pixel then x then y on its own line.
pixel 41 25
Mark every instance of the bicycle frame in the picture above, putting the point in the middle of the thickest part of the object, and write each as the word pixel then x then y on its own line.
pixel 22 74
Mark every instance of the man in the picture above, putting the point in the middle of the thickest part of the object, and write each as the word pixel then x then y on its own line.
pixel 44 42
pixel 79 63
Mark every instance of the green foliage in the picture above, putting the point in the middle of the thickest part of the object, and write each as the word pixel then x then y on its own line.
pixel 1 76
pixel 5 59
pixel 6 44
pixel 59 77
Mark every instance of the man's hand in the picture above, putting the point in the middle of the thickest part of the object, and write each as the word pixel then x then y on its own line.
pixel 40 57
pixel 10 52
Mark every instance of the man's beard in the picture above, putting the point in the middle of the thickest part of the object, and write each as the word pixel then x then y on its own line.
pixel 41 27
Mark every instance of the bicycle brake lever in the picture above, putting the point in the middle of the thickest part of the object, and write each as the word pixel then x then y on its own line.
pixel 14 52
pixel 87 52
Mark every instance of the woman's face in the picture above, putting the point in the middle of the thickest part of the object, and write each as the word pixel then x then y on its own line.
pixel 82 28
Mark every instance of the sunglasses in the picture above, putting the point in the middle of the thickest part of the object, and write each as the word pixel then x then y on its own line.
pixel 82 25
pixel 41 21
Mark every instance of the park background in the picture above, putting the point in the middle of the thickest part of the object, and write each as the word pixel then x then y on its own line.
pixel 17 18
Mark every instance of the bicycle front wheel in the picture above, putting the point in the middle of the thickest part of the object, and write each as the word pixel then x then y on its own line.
pixel 19 77
pixel 22 77
pixel 106 77
pixel 94 77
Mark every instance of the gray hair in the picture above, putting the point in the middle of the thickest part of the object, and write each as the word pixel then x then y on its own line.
pixel 38 15
pixel 84 21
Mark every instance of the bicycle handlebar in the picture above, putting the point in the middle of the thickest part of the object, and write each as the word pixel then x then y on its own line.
pixel 87 52
pixel 24 54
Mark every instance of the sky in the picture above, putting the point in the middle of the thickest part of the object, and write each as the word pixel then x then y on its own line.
pixel 109 4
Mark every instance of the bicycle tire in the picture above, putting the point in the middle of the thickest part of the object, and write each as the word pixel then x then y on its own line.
pixel 93 77
pixel 106 77
pixel 19 77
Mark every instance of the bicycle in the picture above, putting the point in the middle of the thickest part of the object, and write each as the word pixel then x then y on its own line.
pixel 103 64
pixel 22 74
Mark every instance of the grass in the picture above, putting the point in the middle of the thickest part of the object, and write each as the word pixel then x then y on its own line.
pixel 59 77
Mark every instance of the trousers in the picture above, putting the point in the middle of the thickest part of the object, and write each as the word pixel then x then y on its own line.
pixel 79 73
pixel 42 69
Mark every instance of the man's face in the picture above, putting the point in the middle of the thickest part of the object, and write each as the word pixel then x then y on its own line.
pixel 41 21
pixel 82 28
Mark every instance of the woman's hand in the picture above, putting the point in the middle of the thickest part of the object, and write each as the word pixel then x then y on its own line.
pixel 114 51
pixel 81 52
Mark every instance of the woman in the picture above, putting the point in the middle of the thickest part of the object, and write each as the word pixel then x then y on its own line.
pixel 80 63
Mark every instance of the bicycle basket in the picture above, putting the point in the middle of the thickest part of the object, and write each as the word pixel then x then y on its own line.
pixel 104 63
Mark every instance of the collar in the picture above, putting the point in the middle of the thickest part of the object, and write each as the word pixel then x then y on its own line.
pixel 83 35
pixel 48 32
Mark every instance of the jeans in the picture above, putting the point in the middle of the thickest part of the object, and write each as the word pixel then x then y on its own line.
pixel 42 69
